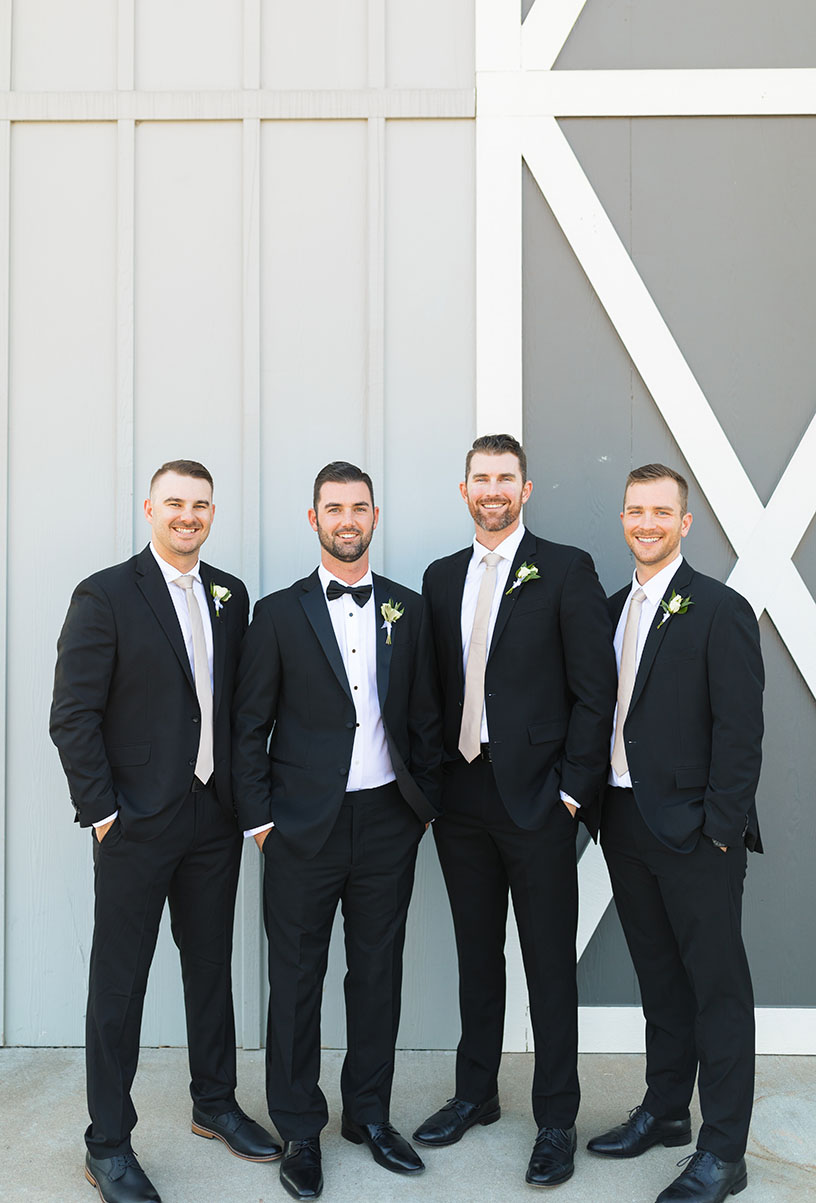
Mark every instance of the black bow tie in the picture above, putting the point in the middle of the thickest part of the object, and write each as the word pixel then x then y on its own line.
pixel 360 593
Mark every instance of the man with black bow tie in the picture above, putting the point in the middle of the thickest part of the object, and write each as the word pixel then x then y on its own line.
pixel 336 668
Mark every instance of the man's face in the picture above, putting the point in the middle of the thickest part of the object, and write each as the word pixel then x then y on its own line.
pixel 180 510
pixel 494 491
pixel 653 524
pixel 345 519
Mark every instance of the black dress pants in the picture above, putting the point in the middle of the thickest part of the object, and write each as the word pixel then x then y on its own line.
pixel 194 864
pixel 483 854
pixel 681 915
pixel 367 865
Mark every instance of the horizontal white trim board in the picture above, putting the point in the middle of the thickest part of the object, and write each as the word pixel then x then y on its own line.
pixel 704 92
pixel 306 105
pixel 789 1031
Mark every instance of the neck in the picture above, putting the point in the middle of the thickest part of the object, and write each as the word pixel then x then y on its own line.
pixel 645 572
pixel 183 563
pixel 348 573
pixel 492 538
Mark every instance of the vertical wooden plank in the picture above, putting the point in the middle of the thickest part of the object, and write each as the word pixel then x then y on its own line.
pixel 125 251
pixel 250 959
pixel 5 198
pixel 5 44
pixel 374 413
pixel 125 45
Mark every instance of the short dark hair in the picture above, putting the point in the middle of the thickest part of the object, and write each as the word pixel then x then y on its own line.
pixel 182 467
pixel 498 444
pixel 340 472
pixel 647 472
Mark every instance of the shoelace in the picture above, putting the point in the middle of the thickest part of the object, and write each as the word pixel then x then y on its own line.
pixel 692 1160
pixel 555 1136
pixel 121 1164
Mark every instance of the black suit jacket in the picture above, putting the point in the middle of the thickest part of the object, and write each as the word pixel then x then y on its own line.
pixel 125 716
pixel 292 683
pixel 550 680
pixel 694 727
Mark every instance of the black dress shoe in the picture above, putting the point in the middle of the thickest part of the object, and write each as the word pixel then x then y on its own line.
pixel 301 1173
pixel 120 1179
pixel 706 1179
pixel 640 1132
pixel 240 1134
pixel 451 1122
pixel 388 1148
pixel 552 1158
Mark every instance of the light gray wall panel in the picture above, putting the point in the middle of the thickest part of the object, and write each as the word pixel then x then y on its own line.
pixel 429 45
pixel 697 33
pixel 61 501
pixel 699 215
pixel 70 47
pixel 322 44
pixel 188 44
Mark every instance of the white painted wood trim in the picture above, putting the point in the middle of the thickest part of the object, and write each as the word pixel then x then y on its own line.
pixel 375 366
pixel 5 43
pixel 498 277
pixel 5 264
pixel 125 351
pixel 252 44
pixel 780 1031
pixel 546 28
pixel 125 45
pixel 250 1019
pixel 240 104
pixel 498 36
pixel 727 92
pixel 377 59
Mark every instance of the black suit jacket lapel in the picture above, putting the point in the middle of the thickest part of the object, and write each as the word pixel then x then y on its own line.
pixel 526 548
pixel 456 589
pixel 154 587
pixel 219 637
pixel 316 607
pixel 654 639
pixel 383 648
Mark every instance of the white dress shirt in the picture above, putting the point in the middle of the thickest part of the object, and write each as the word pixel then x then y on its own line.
pixel 476 569
pixel 356 629
pixel 179 600
pixel 654 589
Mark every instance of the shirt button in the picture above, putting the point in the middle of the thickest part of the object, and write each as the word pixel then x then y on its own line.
pixel 355 686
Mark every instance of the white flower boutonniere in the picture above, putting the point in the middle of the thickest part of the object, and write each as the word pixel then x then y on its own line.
pixel 220 594
pixel 675 605
pixel 527 572
pixel 391 611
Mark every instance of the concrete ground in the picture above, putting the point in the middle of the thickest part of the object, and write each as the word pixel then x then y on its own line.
pixel 42 1118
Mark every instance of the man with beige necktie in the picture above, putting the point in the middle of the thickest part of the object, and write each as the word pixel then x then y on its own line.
pixel 678 815
pixel 526 669
pixel 141 718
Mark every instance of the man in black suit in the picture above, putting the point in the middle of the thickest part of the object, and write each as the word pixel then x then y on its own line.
pixel 678 816
pixel 527 675
pixel 337 668
pixel 140 715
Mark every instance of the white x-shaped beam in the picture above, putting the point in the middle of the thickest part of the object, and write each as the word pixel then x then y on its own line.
pixel 519 98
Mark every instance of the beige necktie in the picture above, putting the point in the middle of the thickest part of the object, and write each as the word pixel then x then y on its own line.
pixel 201 673
pixel 626 679
pixel 470 733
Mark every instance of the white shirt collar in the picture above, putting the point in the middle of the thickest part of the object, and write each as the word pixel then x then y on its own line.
pixel 170 572
pixel 657 585
pixel 506 549
pixel 326 576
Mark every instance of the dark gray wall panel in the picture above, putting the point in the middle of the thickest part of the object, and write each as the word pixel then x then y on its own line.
pixel 695 33
pixel 715 214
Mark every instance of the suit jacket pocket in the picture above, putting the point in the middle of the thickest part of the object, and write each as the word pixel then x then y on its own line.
pixel 542 733
pixel 134 754
pixel 695 777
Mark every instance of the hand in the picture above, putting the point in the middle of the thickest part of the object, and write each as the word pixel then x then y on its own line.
pixel 260 836
pixel 572 809
pixel 102 831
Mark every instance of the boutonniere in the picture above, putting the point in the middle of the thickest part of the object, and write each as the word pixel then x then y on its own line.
pixel 220 594
pixel 527 572
pixel 391 612
pixel 675 605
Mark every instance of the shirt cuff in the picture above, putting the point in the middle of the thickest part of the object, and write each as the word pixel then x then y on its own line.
pixel 110 818
pixel 258 830
pixel 572 802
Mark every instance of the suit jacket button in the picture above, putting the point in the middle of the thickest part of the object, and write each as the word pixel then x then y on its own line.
pixel 351 726
pixel 195 718
pixel 191 763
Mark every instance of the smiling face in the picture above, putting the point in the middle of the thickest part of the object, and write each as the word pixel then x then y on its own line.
pixel 180 509
pixel 345 521
pixel 653 524
pixel 495 492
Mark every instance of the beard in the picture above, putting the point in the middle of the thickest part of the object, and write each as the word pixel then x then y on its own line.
pixel 347 552
pixel 499 520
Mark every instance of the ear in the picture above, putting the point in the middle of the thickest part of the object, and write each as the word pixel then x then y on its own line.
pixel 376 517
pixel 312 516
pixel 686 524
pixel 148 511
pixel 463 489
pixel 526 491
